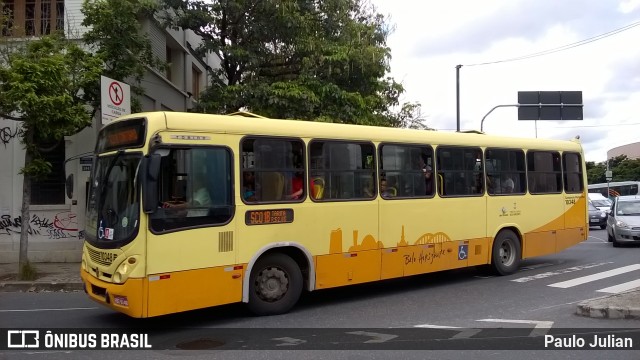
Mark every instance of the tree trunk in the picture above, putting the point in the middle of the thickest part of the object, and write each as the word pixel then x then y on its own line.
pixel 26 200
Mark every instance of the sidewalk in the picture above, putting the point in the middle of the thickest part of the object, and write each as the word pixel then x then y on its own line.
pixel 66 277
pixel 51 277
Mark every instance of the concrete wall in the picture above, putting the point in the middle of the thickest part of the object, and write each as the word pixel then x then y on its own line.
pixel 56 231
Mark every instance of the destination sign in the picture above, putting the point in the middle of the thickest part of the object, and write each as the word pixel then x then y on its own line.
pixel 264 217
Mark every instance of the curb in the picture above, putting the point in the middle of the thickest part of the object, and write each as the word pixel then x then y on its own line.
pixel 598 308
pixel 23 286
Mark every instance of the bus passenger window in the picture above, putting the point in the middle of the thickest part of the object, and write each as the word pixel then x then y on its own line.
pixel 345 168
pixel 273 170
pixel 408 169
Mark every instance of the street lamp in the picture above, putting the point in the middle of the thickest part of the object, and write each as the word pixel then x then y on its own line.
pixel 458 97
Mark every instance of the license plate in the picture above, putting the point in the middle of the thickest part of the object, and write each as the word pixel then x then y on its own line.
pixel 594 220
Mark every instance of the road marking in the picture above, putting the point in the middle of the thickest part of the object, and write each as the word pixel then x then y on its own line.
pixel 535 266
pixel 33 310
pixel 540 328
pixel 594 277
pixel 289 341
pixel 559 272
pixel 621 287
pixel 595 237
pixel 377 337
pixel 465 333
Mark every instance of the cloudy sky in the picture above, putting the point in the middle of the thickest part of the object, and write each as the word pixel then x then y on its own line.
pixel 432 37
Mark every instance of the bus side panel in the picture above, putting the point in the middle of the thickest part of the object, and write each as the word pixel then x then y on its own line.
pixel 547 210
pixel 428 234
pixel 188 269
pixel 478 251
pixel 392 263
pixel 576 218
pixel 193 289
pixel 349 268
pixel 539 243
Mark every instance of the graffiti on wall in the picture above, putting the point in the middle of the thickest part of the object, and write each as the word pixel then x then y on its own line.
pixel 63 225
pixel 7 134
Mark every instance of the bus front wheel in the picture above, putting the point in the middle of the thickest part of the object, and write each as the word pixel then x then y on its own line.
pixel 275 285
pixel 505 258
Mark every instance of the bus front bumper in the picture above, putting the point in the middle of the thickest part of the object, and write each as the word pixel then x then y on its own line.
pixel 126 298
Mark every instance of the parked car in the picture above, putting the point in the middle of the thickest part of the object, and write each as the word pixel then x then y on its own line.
pixel 597 217
pixel 623 222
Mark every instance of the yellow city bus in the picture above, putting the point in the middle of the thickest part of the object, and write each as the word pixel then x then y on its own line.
pixel 187 211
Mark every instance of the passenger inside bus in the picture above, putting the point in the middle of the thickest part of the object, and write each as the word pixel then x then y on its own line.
pixel 296 186
pixel 386 191
pixel 199 199
pixel 507 185
pixel 248 186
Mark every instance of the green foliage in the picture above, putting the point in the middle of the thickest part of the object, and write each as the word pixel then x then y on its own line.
pixel 39 86
pixel 622 168
pixel 305 59
pixel 410 116
pixel 117 39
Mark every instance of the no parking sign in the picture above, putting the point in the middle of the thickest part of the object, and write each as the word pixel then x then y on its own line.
pixel 115 99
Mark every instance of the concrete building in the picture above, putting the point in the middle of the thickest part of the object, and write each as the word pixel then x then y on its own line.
pixel 57 218
pixel 631 150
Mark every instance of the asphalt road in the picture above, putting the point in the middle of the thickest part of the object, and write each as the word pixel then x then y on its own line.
pixel 456 307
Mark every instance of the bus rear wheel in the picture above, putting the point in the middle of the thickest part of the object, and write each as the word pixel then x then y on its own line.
pixel 275 285
pixel 505 255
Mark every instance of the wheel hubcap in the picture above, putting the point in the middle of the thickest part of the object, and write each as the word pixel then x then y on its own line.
pixel 506 253
pixel 272 284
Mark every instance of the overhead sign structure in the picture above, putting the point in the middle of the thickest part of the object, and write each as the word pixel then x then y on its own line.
pixel 115 99
pixel 550 105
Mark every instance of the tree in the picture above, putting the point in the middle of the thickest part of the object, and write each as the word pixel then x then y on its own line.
pixel 622 168
pixel 410 116
pixel 306 59
pixel 116 37
pixel 40 86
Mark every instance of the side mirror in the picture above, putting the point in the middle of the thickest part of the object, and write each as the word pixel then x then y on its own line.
pixel 150 171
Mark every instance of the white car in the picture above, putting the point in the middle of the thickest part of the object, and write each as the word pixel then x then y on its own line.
pixel 602 204
pixel 623 222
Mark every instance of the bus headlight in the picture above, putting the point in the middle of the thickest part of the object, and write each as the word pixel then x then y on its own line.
pixel 124 269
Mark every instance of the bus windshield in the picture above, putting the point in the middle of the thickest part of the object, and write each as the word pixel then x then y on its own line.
pixel 113 206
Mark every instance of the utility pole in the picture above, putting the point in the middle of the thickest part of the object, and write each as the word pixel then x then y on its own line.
pixel 458 97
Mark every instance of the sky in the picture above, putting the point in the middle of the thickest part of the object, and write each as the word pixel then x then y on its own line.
pixel 431 37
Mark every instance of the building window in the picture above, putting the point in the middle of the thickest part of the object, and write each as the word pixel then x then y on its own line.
pixel 7 15
pixel 32 17
pixel 195 82
pixel 50 190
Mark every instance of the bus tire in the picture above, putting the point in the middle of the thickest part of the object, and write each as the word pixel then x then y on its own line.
pixel 505 255
pixel 275 285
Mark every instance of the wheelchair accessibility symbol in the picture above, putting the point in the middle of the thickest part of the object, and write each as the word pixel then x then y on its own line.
pixel 463 250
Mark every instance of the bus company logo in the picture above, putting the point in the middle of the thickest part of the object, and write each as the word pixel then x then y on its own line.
pixel 23 339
